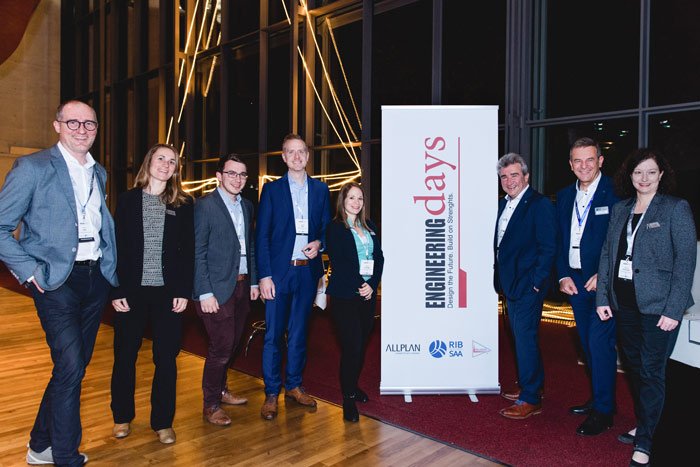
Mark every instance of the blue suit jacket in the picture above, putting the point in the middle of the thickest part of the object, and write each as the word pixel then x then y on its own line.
pixel 39 193
pixel 525 257
pixel 593 234
pixel 345 265
pixel 217 252
pixel 275 230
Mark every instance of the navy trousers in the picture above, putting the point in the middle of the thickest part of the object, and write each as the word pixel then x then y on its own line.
pixel 289 311
pixel 524 315
pixel 598 342
pixel 70 316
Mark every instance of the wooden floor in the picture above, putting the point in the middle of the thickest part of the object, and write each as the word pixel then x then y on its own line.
pixel 297 437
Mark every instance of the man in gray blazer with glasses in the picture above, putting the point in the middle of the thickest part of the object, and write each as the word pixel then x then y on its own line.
pixel 66 256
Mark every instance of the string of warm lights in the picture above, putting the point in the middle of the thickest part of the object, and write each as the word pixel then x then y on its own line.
pixel 348 143
pixel 345 122
pixel 342 71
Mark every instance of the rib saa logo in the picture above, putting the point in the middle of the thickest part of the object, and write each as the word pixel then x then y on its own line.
pixel 437 348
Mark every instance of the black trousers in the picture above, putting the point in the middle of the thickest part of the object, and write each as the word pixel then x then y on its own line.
pixel 149 305
pixel 354 319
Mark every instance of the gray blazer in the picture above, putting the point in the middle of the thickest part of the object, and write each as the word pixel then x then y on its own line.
pixel 217 252
pixel 39 193
pixel 663 259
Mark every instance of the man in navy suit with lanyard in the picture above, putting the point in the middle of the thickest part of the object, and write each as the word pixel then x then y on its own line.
pixel 583 211
pixel 292 217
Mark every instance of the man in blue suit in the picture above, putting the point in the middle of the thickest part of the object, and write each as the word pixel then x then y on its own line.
pixel 292 217
pixel 524 248
pixel 583 211
pixel 66 256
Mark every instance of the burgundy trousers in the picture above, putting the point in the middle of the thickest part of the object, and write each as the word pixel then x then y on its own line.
pixel 225 329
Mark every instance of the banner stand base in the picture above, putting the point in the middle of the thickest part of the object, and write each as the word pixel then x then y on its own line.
pixel 407 398
pixel 473 398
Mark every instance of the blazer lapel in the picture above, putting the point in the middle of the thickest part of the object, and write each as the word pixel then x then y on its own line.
pixel 63 178
pixel 519 212
pixel 223 210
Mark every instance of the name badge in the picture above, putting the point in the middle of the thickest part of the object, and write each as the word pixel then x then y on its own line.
pixel 84 231
pixel 302 226
pixel 653 225
pixel 625 271
pixel 242 243
pixel 170 212
pixel 366 267
pixel 602 211
pixel 576 239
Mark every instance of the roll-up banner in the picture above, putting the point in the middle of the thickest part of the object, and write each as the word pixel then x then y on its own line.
pixel 439 204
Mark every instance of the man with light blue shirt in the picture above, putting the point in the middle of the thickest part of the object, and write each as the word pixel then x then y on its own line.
pixel 66 256
pixel 224 269
pixel 292 217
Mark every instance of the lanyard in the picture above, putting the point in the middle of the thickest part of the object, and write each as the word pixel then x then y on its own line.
pixel 365 240
pixel 83 207
pixel 296 195
pixel 632 234
pixel 579 217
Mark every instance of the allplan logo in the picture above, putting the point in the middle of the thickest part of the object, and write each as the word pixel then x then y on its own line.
pixel 403 348
pixel 449 349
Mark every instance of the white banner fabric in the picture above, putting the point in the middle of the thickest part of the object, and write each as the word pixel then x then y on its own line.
pixel 439 332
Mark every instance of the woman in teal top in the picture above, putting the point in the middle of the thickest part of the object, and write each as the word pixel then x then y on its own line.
pixel 357 262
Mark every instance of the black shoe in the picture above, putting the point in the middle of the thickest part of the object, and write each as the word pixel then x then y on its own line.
pixel 626 438
pixel 350 412
pixel 584 409
pixel 595 424
pixel 361 396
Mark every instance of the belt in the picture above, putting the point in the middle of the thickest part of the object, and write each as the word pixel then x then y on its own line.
pixel 242 277
pixel 299 262
pixel 87 262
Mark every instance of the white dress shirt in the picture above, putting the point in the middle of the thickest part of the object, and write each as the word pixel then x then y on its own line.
pixel 80 177
pixel 584 199
pixel 511 204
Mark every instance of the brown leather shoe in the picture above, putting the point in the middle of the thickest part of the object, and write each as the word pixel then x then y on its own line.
pixel 268 411
pixel 232 399
pixel 521 411
pixel 121 430
pixel 300 396
pixel 216 416
pixel 166 435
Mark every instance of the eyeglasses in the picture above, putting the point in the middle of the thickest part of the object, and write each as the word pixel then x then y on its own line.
pixel 73 125
pixel 232 174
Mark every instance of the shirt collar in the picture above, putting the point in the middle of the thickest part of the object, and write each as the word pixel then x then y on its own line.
pixel 227 197
pixel 72 160
pixel 592 187
pixel 520 195
pixel 294 184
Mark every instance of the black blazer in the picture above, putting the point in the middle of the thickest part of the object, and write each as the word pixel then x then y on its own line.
pixel 178 246
pixel 345 276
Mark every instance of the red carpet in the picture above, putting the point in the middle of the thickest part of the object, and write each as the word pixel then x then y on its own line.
pixel 546 439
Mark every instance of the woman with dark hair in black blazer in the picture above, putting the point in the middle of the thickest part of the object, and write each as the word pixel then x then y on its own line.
pixel 644 279
pixel 155 261
pixel 357 262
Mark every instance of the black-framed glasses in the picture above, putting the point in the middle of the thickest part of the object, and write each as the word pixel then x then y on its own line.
pixel 233 174
pixel 89 125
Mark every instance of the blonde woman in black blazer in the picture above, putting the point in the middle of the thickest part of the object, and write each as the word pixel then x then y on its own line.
pixel 155 263
pixel 644 279
pixel 357 262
